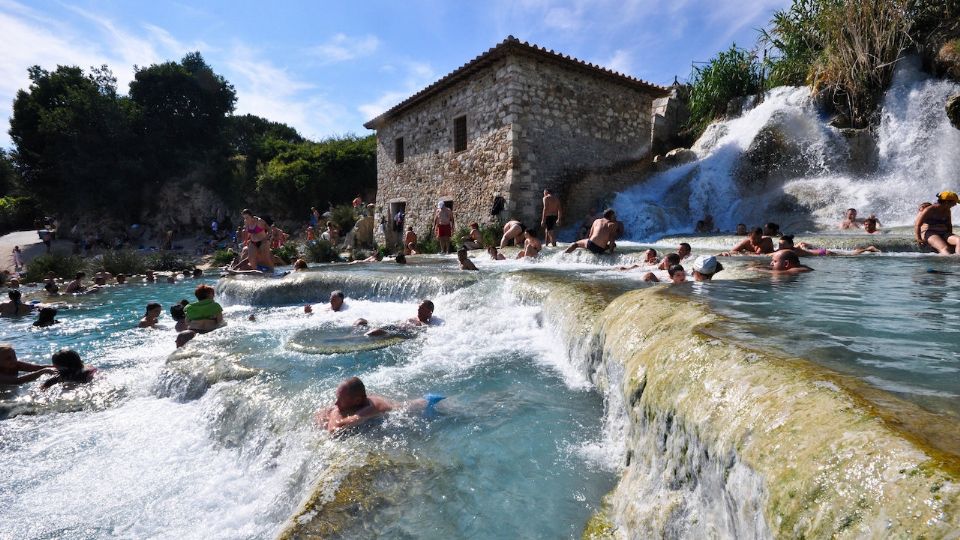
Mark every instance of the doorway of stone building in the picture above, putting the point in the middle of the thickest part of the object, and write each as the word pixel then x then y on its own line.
pixel 398 220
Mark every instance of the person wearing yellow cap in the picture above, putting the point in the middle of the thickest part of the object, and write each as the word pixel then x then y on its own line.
pixel 934 226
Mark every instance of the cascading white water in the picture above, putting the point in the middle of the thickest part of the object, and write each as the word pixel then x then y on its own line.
pixel 808 171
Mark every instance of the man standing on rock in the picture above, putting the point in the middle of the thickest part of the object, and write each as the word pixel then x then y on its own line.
pixel 602 235
pixel 550 218
pixel 443 225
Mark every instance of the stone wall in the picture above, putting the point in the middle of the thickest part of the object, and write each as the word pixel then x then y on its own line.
pixel 572 126
pixel 670 114
pixel 431 170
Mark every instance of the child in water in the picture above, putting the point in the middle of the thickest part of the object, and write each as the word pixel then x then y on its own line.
pixel 70 369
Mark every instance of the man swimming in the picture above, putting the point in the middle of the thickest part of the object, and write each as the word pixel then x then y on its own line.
pixel 550 217
pixel 152 315
pixel 602 234
pixel 336 301
pixel 353 406
pixel 850 220
pixel 683 250
pixel 649 259
pixel 424 318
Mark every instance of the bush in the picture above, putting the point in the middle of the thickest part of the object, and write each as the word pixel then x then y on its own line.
pixel 287 253
pixel 223 257
pixel 167 261
pixel 63 266
pixel 732 73
pixel 321 251
pixel 428 245
pixel 344 217
pixel 123 262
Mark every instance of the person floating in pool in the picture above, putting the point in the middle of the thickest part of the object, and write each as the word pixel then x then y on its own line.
pixel 70 369
pixel 754 244
pixel 353 406
pixel 601 237
pixel 785 262
pixel 933 228
pixel 10 368
pixel 152 316
pixel 204 315
pixel 424 318
pixel 649 259
pixel 676 273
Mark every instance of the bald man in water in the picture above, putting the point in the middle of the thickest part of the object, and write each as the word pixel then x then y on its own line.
pixel 353 406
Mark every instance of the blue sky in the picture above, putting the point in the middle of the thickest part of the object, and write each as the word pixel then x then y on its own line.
pixel 327 67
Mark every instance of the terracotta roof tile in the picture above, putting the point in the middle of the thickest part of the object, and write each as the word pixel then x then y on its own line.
pixel 512 45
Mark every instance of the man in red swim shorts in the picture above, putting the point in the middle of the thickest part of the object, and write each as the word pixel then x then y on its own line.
pixel 443 226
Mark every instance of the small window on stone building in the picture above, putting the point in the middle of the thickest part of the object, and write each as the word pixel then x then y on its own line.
pixel 460 134
pixel 398 150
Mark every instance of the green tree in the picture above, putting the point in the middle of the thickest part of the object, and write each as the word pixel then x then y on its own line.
pixel 314 174
pixel 732 73
pixel 183 108
pixel 9 176
pixel 73 139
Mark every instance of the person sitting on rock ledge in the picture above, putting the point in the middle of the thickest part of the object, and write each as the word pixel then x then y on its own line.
pixel 933 227
pixel 601 237
pixel 754 244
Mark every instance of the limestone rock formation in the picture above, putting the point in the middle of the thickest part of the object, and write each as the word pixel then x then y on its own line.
pixel 953 110
pixel 673 158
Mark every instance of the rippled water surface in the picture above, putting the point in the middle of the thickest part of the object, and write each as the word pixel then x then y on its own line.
pixel 218 441
pixel 889 320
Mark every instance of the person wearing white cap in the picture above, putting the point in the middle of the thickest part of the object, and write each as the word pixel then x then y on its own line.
pixel 704 267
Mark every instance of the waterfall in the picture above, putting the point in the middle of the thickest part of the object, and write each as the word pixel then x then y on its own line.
pixel 781 161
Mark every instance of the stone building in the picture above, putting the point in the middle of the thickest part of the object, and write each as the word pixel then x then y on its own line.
pixel 511 122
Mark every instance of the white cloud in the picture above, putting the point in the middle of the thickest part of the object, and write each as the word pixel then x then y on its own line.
pixel 266 90
pixel 341 48
pixel 562 19
pixel 417 76
pixel 621 61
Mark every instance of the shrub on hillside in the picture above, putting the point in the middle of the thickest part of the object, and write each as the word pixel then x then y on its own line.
pixel 321 251
pixel 63 266
pixel 123 262
pixel 167 261
pixel 287 253
pixel 732 73
pixel 223 257
pixel 344 217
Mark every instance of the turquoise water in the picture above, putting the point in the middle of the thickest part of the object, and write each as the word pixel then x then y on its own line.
pixel 217 441
pixel 884 319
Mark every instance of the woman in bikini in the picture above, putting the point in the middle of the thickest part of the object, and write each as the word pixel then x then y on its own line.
pixel 258 242
pixel 934 226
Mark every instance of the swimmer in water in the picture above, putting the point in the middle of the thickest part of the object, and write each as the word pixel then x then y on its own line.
pixel 353 406
pixel 204 315
pixel 683 250
pixel 871 225
pixel 464 260
pixel 424 318
pixel 70 369
pixel 336 301
pixel 10 368
pixel 494 254
pixel 46 317
pixel 705 267
pixel 531 244
pixel 677 274
pixel 15 306
pixel 803 250
pixel 785 262
pixel 152 316
pixel 850 220
pixel 649 259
